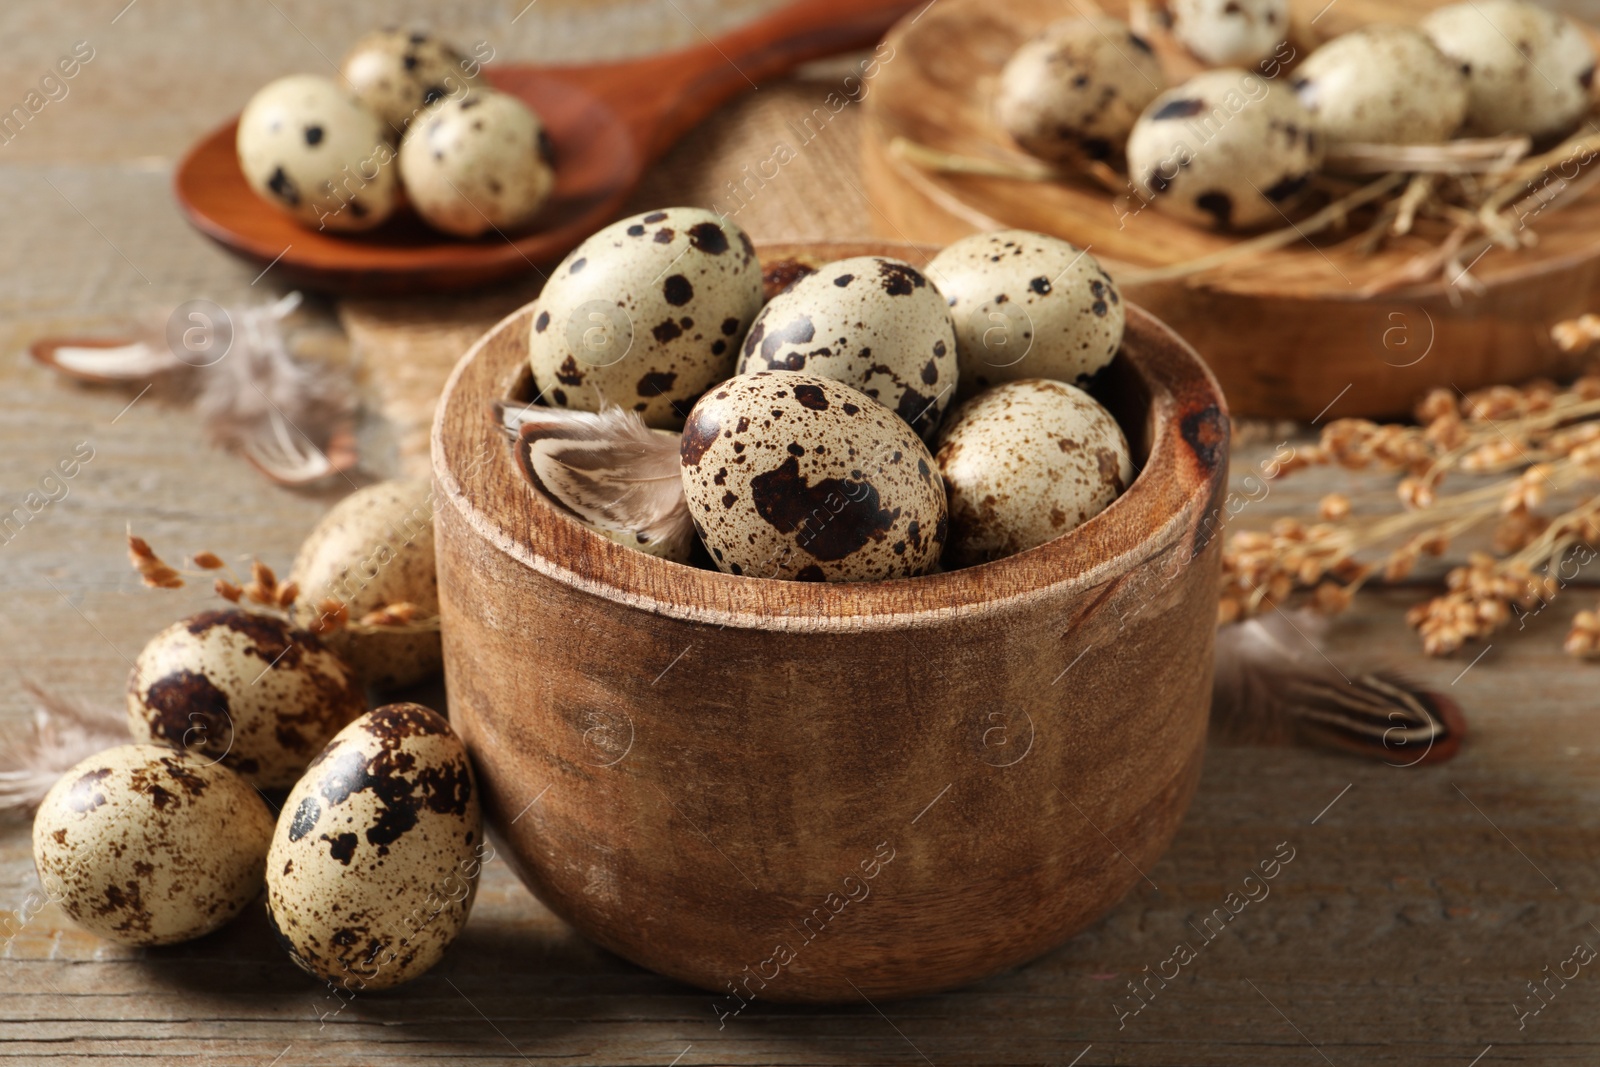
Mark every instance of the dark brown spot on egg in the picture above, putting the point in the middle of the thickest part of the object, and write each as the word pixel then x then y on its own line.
pixel 305 818
pixel 811 396
pixel 709 238
pixel 283 187
pixel 1218 205
pixel 788 503
pixel 666 331
pixel 699 434
pixel 844 280
pixel 636 230
pixel 85 794
pixel 1040 285
pixel 655 216
pixel 1182 108
pixel 664 235
pixel 341 847
pixel 810 573
pixel 542 323
pixel 677 290
pixel 656 383
pixel 1287 187
pixel 569 373
pixel 899 279
pixel 185 708
pixel 1110 469
pixel 578 264
pixel 313 135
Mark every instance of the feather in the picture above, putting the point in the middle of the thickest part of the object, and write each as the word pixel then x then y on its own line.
pixel 607 468
pixel 292 419
pixel 1274 686
pixel 58 737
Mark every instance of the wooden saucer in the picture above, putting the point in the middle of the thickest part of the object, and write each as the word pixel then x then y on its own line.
pixel 1288 333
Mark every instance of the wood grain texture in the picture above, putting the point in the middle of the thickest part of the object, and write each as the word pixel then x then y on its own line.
pixel 720 751
pixel 1402 933
pixel 1286 331
pixel 606 123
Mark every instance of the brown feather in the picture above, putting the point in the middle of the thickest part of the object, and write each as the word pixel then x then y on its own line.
pixel 607 468
pixel 1274 686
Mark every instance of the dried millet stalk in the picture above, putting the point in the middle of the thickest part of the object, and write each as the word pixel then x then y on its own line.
pixel 1544 440
pixel 269 596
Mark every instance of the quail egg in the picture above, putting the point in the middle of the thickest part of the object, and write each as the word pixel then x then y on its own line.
pixel 1075 92
pixel 1230 32
pixel 795 476
pixel 477 163
pixel 872 323
pixel 1383 85
pixel 1528 70
pixel 1025 462
pixel 374 863
pixel 647 314
pixel 398 73
pixel 310 148
pixel 143 845
pixel 1226 148
pixel 1027 306
pixel 242 688
pixel 374 549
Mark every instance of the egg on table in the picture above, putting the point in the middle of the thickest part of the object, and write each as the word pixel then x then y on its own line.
pixel 1529 70
pixel 1226 148
pixel 1075 91
pixel 795 476
pixel 143 845
pixel 375 860
pixel 476 163
pixel 1383 85
pixel 244 689
pixel 398 73
pixel 1026 305
pixel 374 549
pixel 1230 32
pixel 313 150
pixel 870 322
pixel 1025 462
pixel 646 314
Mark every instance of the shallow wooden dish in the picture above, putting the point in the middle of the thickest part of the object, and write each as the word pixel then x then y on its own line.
pixel 606 122
pixel 695 769
pixel 1289 335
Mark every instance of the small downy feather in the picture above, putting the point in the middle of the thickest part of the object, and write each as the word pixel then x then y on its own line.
pixel 60 735
pixel 1273 686
pixel 608 468
pixel 292 419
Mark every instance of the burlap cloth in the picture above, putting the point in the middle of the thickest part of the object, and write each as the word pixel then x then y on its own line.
pixel 407 347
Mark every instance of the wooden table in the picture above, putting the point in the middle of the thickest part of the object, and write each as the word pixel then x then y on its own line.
pixel 1417 905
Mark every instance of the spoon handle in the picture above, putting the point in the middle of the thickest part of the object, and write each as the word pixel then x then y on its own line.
pixel 662 97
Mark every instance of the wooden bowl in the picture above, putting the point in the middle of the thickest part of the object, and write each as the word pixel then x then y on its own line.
pixel 1289 334
pixel 811 792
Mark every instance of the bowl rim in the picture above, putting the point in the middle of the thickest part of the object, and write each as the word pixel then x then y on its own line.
pixel 1184 474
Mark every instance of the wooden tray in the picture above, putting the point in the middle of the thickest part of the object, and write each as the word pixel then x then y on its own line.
pixel 1288 335
pixel 714 758
pixel 606 122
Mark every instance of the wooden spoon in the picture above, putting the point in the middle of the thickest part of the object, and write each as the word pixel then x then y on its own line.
pixel 607 122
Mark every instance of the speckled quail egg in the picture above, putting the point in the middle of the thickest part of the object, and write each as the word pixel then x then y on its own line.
pixel 870 322
pixel 1025 462
pixel 1027 306
pixel 309 147
pixel 1075 91
pixel 1230 32
pixel 371 550
pixel 1383 85
pixel 143 845
pixel 244 689
pixel 374 863
pixel 478 163
pixel 795 476
pixel 1528 70
pixel 1226 148
pixel 647 314
pixel 398 73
